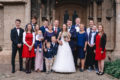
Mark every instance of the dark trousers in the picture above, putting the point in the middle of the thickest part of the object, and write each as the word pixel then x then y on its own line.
pixel 14 52
pixel 75 56
pixel 90 58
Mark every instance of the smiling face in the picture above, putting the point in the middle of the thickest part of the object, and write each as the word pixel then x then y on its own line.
pixel 77 20
pixel 56 23
pixel 94 28
pixel 37 27
pixel 100 28
pixel 29 27
pixel 81 27
pixel 45 23
pixel 17 23
pixel 34 21
pixel 91 23
pixel 69 23
pixel 64 27
pixel 39 32
pixel 50 27
pixel 53 39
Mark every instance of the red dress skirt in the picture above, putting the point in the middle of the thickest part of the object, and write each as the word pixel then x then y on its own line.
pixel 99 55
pixel 26 53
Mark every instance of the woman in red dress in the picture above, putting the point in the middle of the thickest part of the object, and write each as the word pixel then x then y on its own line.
pixel 28 47
pixel 100 49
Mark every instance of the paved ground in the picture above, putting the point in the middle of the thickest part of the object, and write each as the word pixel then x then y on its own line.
pixel 5 74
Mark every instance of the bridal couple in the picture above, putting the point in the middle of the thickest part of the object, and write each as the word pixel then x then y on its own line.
pixel 64 61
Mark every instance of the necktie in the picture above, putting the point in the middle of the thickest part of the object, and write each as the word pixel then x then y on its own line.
pixel 55 30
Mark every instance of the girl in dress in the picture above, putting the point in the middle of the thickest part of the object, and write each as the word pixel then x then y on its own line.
pixel 39 51
pixel 82 44
pixel 100 49
pixel 64 59
pixel 28 46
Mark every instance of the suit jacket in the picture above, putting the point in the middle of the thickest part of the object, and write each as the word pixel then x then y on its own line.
pixel 54 48
pixel 15 38
pixel 42 28
pixel 73 40
pixel 49 53
pixel 58 31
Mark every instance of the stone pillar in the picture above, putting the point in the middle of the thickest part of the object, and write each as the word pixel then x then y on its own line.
pixel 117 42
pixel 95 12
pixel 27 11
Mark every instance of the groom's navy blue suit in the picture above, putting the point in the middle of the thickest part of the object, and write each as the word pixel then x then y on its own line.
pixel 73 43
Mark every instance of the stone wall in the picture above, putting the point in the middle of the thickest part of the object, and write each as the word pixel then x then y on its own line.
pixel 11 11
pixel 1 26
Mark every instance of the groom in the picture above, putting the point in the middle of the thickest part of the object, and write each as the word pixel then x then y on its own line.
pixel 73 39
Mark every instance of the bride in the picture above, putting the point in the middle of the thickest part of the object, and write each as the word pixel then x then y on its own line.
pixel 64 60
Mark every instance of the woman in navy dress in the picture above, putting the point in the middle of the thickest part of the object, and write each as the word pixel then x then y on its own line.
pixel 48 34
pixel 82 44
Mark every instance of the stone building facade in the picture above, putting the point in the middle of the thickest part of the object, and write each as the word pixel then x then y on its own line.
pixel 106 12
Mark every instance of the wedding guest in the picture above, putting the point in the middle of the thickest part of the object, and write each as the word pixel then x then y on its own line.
pixel 44 28
pixel 38 42
pixel 82 45
pixel 56 28
pixel 54 46
pixel 28 47
pixel 48 34
pixel 73 40
pixel 77 25
pixel 48 57
pixel 16 38
pixel 91 63
pixel 100 51
pixel 39 52
pixel 34 22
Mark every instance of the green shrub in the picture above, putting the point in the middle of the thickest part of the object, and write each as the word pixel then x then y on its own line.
pixel 113 68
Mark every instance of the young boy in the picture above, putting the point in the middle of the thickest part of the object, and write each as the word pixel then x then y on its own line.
pixel 48 57
pixel 54 45
pixel 38 42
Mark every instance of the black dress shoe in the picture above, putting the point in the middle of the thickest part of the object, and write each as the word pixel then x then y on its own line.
pixel 13 71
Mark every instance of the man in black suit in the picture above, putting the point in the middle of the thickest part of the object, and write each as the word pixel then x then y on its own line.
pixel 16 38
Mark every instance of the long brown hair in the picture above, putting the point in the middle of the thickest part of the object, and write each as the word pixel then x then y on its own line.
pixel 102 28
pixel 62 28
pixel 26 28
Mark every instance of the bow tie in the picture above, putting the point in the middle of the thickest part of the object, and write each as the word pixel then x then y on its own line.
pixel 17 28
pixel 93 32
pixel 77 25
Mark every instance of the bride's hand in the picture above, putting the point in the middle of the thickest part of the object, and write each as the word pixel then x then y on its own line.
pixel 60 42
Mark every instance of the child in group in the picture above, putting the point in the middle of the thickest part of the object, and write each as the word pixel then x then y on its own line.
pixel 38 42
pixel 48 57
pixel 54 45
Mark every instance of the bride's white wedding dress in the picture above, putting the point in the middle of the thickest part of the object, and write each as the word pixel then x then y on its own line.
pixel 64 59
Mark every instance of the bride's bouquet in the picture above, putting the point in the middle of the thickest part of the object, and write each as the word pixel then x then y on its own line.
pixel 65 35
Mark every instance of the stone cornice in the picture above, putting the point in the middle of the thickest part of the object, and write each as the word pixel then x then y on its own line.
pixel 13 1
pixel 1 5
pixel 117 1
